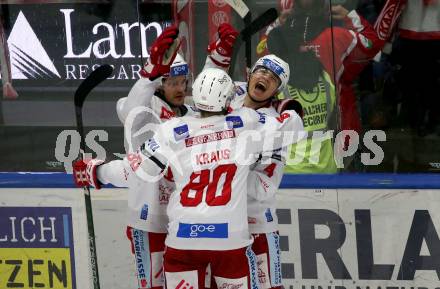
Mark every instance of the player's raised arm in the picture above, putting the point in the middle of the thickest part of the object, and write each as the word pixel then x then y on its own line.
pixel 163 52
pixel 220 50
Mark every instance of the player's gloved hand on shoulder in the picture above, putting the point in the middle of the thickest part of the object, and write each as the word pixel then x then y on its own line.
pixel 162 54
pixel 84 173
pixel 290 104
pixel 220 51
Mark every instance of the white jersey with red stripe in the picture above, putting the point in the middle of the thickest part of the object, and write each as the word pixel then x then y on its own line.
pixel 264 177
pixel 146 201
pixel 208 209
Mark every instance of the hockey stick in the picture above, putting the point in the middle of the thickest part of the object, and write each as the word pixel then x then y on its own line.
pixel 95 78
pixel 241 8
pixel 259 23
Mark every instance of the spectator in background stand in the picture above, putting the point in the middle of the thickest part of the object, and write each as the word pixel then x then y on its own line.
pixel 418 53
pixel 321 58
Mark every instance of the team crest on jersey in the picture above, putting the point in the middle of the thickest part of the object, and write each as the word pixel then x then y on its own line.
pixel 233 121
pixel 164 194
pixel 181 132
pixel 166 114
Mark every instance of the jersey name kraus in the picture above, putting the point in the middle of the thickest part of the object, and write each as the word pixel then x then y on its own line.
pixel 214 156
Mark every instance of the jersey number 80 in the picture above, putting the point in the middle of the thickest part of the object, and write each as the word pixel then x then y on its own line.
pixel 202 179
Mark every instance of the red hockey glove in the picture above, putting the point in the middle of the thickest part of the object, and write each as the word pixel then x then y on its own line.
pixel 162 54
pixel 84 173
pixel 220 51
pixel 290 104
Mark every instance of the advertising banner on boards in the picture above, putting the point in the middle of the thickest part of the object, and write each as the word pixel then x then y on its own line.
pixel 359 239
pixel 58 45
pixel 36 248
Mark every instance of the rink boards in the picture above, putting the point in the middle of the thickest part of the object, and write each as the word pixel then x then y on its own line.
pixel 382 236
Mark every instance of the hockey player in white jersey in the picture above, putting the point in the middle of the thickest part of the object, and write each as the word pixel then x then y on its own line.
pixel 267 78
pixel 156 99
pixel 208 210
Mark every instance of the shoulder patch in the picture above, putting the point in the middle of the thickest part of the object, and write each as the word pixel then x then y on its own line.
pixel 181 132
pixel 234 121
pixel 262 117
pixel 240 90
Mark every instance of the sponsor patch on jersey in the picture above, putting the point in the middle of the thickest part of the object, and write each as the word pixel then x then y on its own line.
pixel 268 215
pixel 239 90
pixel 141 252
pixel 262 118
pixel 179 70
pixel 181 132
pixel 273 66
pixel 210 137
pixel 216 231
pixel 152 145
pixel 144 212
pixel 234 121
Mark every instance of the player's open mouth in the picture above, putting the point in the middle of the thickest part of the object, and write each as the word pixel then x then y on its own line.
pixel 260 86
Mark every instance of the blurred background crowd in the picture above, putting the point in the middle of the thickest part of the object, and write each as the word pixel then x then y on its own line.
pixel 356 65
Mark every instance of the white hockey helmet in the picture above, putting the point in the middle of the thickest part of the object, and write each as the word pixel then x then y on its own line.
pixel 275 64
pixel 213 90
pixel 179 67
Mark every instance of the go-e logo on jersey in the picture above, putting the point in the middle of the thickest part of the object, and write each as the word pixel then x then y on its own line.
pixel 219 231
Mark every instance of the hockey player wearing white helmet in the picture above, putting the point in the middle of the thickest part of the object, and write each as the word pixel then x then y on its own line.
pixel 268 76
pixel 208 209
pixel 156 97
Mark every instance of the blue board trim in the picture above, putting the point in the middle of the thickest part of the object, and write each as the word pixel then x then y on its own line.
pixel 338 181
